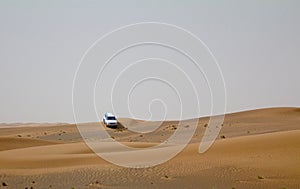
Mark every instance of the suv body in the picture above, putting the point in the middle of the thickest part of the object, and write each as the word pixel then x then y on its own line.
pixel 110 120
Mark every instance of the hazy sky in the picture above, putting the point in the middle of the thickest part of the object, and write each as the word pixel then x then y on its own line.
pixel 256 43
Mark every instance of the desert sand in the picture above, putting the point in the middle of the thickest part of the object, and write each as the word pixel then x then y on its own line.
pixel 255 149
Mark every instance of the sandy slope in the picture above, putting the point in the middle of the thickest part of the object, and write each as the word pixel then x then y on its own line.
pixel 261 149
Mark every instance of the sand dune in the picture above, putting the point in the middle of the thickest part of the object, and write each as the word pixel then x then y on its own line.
pixel 260 149
pixel 8 143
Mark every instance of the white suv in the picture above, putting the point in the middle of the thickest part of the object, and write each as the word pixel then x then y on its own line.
pixel 110 120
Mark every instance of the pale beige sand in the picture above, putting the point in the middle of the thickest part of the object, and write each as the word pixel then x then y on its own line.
pixel 261 149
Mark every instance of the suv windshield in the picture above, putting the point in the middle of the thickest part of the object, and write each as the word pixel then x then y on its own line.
pixel 111 118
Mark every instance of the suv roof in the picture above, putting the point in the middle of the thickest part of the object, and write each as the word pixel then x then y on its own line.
pixel 109 114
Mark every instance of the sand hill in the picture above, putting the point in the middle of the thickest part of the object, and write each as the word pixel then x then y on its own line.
pixel 255 149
